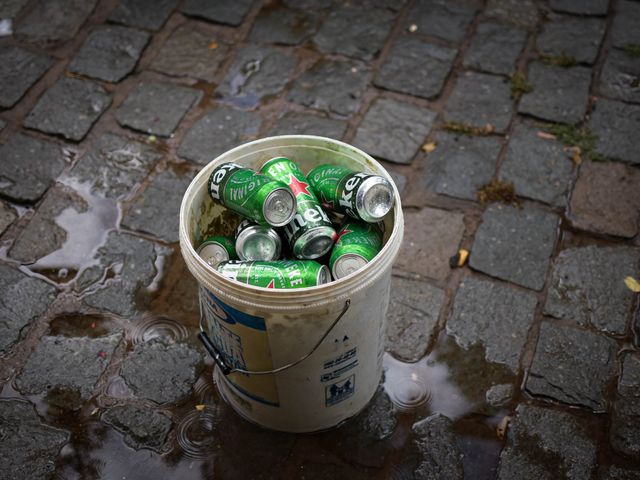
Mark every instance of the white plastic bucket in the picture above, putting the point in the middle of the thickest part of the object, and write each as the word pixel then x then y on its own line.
pixel 258 329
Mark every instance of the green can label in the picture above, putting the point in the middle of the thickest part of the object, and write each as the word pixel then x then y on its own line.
pixel 240 189
pixel 337 187
pixel 309 212
pixel 359 238
pixel 281 274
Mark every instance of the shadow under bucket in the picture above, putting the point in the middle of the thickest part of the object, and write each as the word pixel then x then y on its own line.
pixel 326 342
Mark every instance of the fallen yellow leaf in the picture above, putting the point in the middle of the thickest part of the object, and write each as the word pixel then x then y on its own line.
pixel 632 284
pixel 213 45
pixel 501 429
pixel 576 154
pixel 200 407
pixel 429 147
pixel 546 136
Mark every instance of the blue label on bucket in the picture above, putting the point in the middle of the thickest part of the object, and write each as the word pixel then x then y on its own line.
pixel 243 343
pixel 339 391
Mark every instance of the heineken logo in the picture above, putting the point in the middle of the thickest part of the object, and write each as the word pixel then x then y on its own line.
pixel 350 186
pixel 218 176
pixel 298 187
pixel 313 215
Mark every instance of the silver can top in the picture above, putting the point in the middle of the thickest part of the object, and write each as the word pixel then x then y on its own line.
pixel 314 243
pixel 374 199
pixel 258 242
pixel 347 264
pixel 324 275
pixel 279 207
pixel 213 253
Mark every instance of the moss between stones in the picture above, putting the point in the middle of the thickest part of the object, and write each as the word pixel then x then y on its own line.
pixel 632 50
pixel 455 127
pixel 519 85
pixel 562 60
pixel 498 191
pixel 573 136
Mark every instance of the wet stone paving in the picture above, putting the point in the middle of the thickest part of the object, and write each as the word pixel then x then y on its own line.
pixel 511 129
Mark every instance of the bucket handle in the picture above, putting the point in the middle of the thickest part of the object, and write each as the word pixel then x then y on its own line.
pixel 226 369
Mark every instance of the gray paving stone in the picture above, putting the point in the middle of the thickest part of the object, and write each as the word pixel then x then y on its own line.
pixel 625 421
pixel 616 473
pixel 43 235
pixel 578 38
pixel 572 366
pixel 495 48
pixel 230 12
pixel 109 53
pixel 546 445
pixel 460 164
pixel 624 30
pixel 306 124
pixel 399 179
pixel 28 167
pixel 616 124
pixel 188 52
pixel 494 316
pixel 412 317
pixel 581 7
pixel 415 67
pixel 394 130
pixel 161 372
pixel 538 168
pixel 29 447
pixel 559 94
pixel 156 108
pixel 307 4
pixel 217 131
pixel 427 251
pixel 131 262
pixel 19 70
pixel 499 395
pixel 479 99
pixel 518 12
pixel 141 428
pixel 620 77
pixel 447 20
pixel 515 244
pixel 587 286
pixel 11 8
pixel 284 26
pixel 22 300
pixel 69 108
pixel 52 22
pixel 605 199
pixel 256 72
pixel 114 165
pixel 439 456
pixel 157 209
pixel 354 32
pixel 332 85
pixel 7 216
pixel 148 14
pixel 71 363
pixel 2 124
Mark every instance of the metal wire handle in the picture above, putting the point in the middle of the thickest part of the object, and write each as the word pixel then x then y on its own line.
pixel 227 370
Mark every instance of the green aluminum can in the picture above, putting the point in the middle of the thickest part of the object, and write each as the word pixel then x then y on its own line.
pixel 358 242
pixel 281 274
pixel 216 249
pixel 263 199
pixel 359 195
pixel 310 233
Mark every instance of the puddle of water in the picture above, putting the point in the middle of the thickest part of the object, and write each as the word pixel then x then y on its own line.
pixel 79 325
pixel 86 231
pixel 197 432
pixel 149 327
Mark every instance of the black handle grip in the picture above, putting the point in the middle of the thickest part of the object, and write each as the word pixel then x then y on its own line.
pixel 215 354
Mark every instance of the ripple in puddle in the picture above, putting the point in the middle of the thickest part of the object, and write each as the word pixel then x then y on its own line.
pixel 197 432
pixel 408 393
pixel 152 326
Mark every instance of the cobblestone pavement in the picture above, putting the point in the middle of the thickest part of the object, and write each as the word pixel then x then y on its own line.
pixel 528 355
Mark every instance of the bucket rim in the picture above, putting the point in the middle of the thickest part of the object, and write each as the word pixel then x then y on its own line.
pixel 354 279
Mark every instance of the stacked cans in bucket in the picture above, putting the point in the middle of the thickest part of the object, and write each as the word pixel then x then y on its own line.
pixel 298 231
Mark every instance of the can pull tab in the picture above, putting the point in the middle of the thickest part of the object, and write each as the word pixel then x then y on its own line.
pixel 226 369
